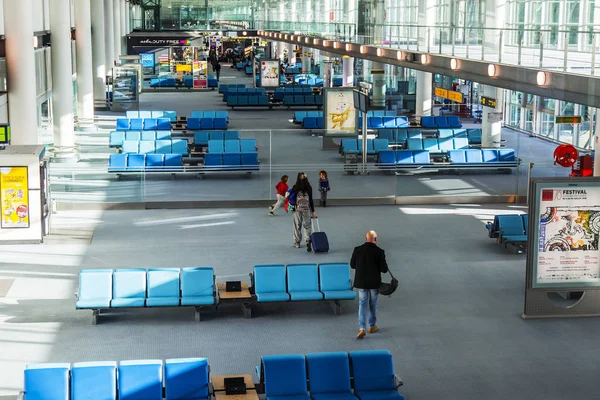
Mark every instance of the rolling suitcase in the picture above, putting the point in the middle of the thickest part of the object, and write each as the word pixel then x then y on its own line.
pixel 319 241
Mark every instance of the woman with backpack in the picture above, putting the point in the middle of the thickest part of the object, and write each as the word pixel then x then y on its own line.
pixel 300 202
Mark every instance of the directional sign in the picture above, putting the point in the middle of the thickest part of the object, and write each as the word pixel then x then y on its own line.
pixel 449 94
pixel 568 119
pixel 488 102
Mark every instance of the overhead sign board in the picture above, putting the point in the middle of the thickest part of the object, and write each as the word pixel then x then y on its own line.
pixel 449 94
pixel 568 119
pixel 488 102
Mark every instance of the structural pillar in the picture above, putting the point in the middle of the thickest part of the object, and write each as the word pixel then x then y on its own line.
pixel 62 83
pixel 347 71
pixel 423 96
pixel 305 60
pixel 494 20
pixel 378 74
pixel 98 52
pixel 117 28
pixel 109 30
pixel 291 55
pixel 83 42
pixel 20 64
pixel 124 5
pixel 491 119
pixel 596 144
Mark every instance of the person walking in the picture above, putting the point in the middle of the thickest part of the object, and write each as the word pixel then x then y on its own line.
pixel 217 69
pixel 282 188
pixel 300 198
pixel 368 261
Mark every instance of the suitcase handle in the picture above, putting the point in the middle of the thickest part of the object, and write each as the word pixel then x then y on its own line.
pixel 313 225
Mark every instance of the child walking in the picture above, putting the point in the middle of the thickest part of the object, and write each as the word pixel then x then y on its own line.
pixel 282 188
pixel 323 187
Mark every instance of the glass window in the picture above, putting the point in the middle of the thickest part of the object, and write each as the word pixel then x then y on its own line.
pixel 528 120
pixel 548 104
pixel 547 128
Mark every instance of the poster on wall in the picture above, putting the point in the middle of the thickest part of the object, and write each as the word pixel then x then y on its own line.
pixel 269 73
pixel 14 197
pixel 339 114
pixel 200 79
pixel 567 234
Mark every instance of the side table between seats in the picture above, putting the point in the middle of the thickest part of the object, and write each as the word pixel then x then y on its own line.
pixel 244 296
pixel 218 384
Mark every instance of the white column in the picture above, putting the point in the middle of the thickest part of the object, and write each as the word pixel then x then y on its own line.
pixel 495 17
pixel 426 17
pixel 98 51
pixel 378 74
pixel 347 71
pixel 20 64
pixel 305 60
pixel 491 119
pixel 117 28
pixel 123 17
pixel 109 30
pixel 62 82
pixel 83 42
pixel 379 20
pixel 596 144
pixel 423 96
pixel 291 55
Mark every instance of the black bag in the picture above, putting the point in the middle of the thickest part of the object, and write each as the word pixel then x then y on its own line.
pixel 387 289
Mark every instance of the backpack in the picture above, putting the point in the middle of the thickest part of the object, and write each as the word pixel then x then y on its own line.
pixel 290 201
pixel 302 201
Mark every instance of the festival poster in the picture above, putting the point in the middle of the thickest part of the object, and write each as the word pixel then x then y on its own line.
pixel 200 80
pixel 14 197
pixel 340 114
pixel 567 252
pixel 269 73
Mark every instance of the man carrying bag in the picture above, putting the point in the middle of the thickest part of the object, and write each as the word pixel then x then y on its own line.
pixel 368 261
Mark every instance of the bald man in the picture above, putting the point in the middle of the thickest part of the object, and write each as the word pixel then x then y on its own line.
pixel 368 261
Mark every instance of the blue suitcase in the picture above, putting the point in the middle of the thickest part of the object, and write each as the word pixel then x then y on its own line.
pixel 318 239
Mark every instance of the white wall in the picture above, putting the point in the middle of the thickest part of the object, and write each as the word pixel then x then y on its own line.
pixel 38 17
pixel 1 18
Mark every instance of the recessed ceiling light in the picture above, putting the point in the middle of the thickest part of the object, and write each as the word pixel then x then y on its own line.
pixel 453 63
pixel 399 55
pixel 541 78
pixel 492 70
pixel 379 52
pixel 424 59
pixel 363 49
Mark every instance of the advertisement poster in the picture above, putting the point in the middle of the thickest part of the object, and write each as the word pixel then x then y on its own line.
pixel 269 73
pixel 567 251
pixel 340 114
pixel 200 79
pixel 14 196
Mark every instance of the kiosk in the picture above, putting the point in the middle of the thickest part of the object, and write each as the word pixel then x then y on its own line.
pixel 24 194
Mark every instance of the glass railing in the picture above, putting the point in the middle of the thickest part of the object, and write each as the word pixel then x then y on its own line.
pixel 294 150
pixel 572 51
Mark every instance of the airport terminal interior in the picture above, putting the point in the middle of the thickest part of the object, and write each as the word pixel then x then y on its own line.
pixel 140 145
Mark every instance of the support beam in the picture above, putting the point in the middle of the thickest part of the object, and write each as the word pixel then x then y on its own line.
pixel 347 71
pixel 491 123
pixel 117 28
pixel 98 52
pixel 109 30
pixel 423 97
pixel 83 42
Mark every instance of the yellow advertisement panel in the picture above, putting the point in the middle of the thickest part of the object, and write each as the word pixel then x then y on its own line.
pixel 14 197
pixel 443 93
pixel 455 96
pixel 183 68
pixel 340 114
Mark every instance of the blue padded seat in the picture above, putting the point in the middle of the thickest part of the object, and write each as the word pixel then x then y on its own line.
pixel 179 146
pixel 148 135
pixel 116 138
pixel 144 114
pixel 156 114
pixel 172 115
pixel 94 380
pixel 414 134
pixel 173 160
pixel 429 144
pixel 151 124
pixel 380 145
pixel 216 146
pixel 252 101
pixel 162 147
pixel 163 124
pixel 373 372
pixel 186 379
pixel 329 376
pixel 222 114
pixel 445 133
pixel 163 135
pixel 388 134
pixel 231 146
pixel 401 136
pixel 146 147
pixel 489 155
pixel 232 135
pixel 335 283
pixel 511 228
pixel 213 159
pixel 299 116
pixel 197 286
pixel 309 123
pixel 140 380
pixel 421 156
pixel 249 159
pixel 457 156
pixel 216 135
pixel 163 287
pixel 460 143
pixel 48 381
pixel 248 145
pixel 196 114
pixel 446 144
pixel 207 123
pixel 285 377
pixel 133 135
pixel 415 144
pixel 404 157
pixel 401 121
pixel 231 160
pixel 506 155
pixel 303 282
pixel 387 158
pixel 193 123
pixel 208 114
pixel 350 146
pixel 131 146
pixel 201 138
pixel 269 283
pixel 123 124
pixel 137 124
pixel 459 132
pixel 132 114
pixel 454 121
pixel 389 122
pixel 136 162
pixel 219 123
pixel 129 287
pixel 154 161
pixel 441 122
pixel 117 162
pixel 428 122
pixel 473 156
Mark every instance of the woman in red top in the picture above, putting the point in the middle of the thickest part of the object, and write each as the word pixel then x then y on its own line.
pixel 282 188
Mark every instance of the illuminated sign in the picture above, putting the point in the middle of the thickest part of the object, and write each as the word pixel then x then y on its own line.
pixel 568 119
pixel 488 102
pixel 449 94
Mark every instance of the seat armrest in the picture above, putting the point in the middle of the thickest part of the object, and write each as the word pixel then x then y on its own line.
pixel 21 395
pixel 397 381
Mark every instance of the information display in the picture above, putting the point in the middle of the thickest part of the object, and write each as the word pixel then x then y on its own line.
pixel 449 94
pixel 567 227
pixel 14 197
pixel 269 73
pixel 567 119
pixel 339 112
pixel 488 102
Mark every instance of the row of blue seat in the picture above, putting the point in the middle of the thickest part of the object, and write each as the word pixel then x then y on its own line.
pixel 441 122
pixel 226 86
pixel 511 228
pixel 437 145
pixel 175 146
pixel 210 114
pixel 364 375
pixel 232 146
pixel 399 136
pixel 300 115
pixel 201 138
pixel 295 89
pixel 206 123
pixel 242 90
pixel 328 281
pixel 245 161
pixel 312 123
pixel 355 146
pixel 116 138
pixel 248 101
pixel 480 157
pixel 476 156
pixel 144 162
pixel 390 158
pixel 172 115
pixel 301 100
pixel 245 93
pixel 381 113
pixel 143 124
pixel 178 378
pixel 386 122
pixel 296 69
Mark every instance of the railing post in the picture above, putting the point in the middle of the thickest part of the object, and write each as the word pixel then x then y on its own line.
pixel 452 32
pixel 429 40
pixel 541 52
pixel 500 37
pixel 520 40
pixel 566 50
pixel 482 44
pixel 440 52
pixel 468 39
pixel 593 68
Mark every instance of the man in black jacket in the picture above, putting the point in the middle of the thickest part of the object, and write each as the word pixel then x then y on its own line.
pixel 368 261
